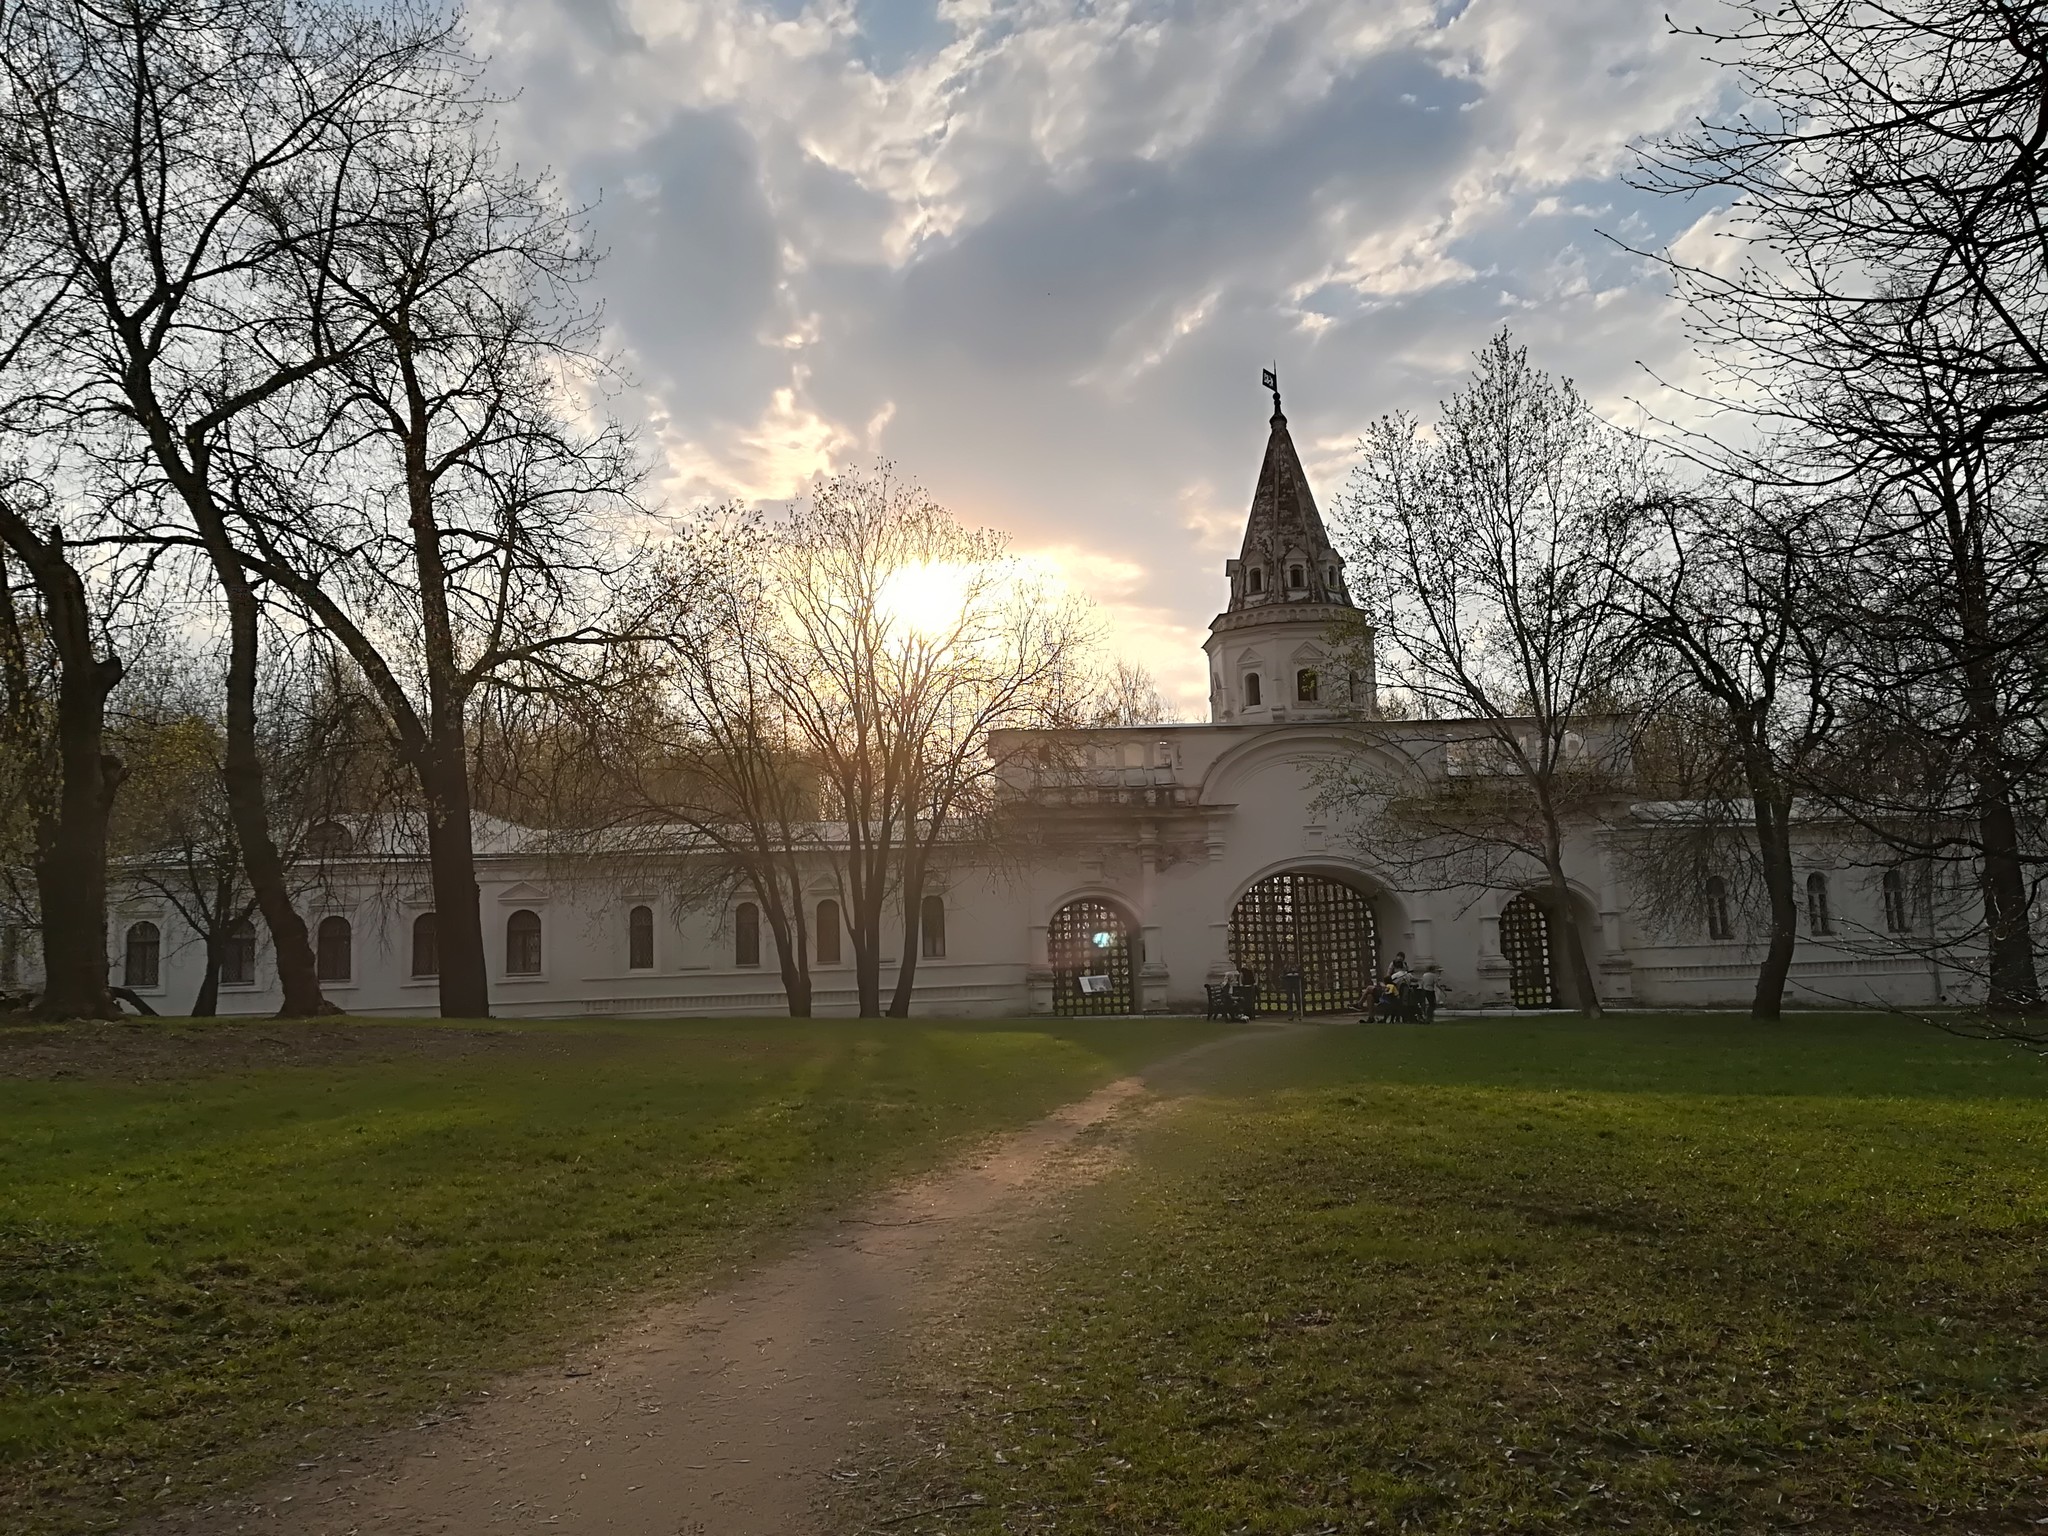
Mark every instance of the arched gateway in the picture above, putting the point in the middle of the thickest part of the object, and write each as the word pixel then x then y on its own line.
pixel 1090 944
pixel 1525 942
pixel 1321 925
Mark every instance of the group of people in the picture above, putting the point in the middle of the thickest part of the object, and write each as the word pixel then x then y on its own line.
pixel 1400 994
pixel 1409 997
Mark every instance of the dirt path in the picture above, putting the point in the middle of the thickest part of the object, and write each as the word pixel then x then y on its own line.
pixel 723 1417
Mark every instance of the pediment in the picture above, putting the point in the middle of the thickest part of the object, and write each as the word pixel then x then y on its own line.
pixel 523 892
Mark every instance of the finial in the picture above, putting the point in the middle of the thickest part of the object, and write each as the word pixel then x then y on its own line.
pixel 1270 377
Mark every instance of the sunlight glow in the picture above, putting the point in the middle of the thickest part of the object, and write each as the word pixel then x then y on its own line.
pixel 928 598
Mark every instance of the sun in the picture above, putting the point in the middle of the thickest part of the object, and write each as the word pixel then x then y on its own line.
pixel 930 598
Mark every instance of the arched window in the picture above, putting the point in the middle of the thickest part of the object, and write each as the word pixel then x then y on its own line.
pixel 522 943
pixel 1305 685
pixel 746 934
pixel 426 945
pixel 640 939
pixel 1255 580
pixel 931 927
pixel 1819 922
pixel 828 932
pixel 1896 917
pixel 143 956
pixel 328 839
pixel 1251 690
pixel 1297 578
pixel 238 954
pixel 334 950
pixel 1717 908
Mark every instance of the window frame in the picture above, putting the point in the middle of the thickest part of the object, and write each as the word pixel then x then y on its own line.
pixel 1307 686
pixel 239 942
pixel 1719 928
pixel 1898 912
pixel 1252 692
pixel 135 944
pixel 321 931
pixel 829 925
pixel 534 933
pixel 432 928
pixel 746 936
pixel 640 937
pixel 1820 917
pixel 931 936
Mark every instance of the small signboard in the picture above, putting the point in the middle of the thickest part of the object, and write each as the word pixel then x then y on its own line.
pixel 1093 986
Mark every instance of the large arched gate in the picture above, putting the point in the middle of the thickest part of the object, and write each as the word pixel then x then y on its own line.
pixel 1090 939
pixel 1323 926
pixel 1525 942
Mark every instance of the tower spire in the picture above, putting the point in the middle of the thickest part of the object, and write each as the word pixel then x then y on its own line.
pixel 1286 557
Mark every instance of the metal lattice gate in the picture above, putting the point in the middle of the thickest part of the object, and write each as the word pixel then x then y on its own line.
pixel 1525 941
pixel 1090 938
pixel 1323 926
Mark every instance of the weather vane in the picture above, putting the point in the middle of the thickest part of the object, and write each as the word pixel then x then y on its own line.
pixel 1270 377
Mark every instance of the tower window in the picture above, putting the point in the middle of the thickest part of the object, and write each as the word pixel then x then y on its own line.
pixel 1297 578
pixel 142 955
pixel 1717 908
pixel 334 950
pixel 1895 914
pixel 1255 580
pixel 426 945
pixel 1819 922
pixel 522 943
pixel 1305 685
pixel 238 955
pixel 1251 690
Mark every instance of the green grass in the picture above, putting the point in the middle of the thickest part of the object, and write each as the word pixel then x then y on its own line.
pixel 203 1277
pixel 1643 1275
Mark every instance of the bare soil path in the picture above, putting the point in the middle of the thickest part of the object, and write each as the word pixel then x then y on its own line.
pixel 722 1417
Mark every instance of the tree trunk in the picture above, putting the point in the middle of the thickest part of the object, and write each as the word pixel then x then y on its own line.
pixel 451 853
pixel 71 837
pixel 913 934
pixel 207 1003
pixel 2009 937
pixel 249 807
pixel 1771 814
pixel 791 958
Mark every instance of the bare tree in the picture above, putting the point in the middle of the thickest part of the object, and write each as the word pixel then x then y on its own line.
pixel 55 725
pixel 1886 327
pixel 447 524
pixel 1496 548
pixel 1729 592
pixel 162 160
pixel 1129 695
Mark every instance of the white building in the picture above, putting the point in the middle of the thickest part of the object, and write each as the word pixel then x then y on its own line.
pixel 1174 854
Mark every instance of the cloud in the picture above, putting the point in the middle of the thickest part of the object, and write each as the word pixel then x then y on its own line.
pixel 1036 251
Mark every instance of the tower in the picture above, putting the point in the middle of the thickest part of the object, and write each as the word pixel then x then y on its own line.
pixel 1271 657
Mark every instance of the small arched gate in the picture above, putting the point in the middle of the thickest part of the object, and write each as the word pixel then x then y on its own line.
pixel 1091 938
pixel 1525 942
pixel 1323 926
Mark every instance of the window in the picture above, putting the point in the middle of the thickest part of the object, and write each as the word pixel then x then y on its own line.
pixel 746 934
pixel 1255 580
pixel 1818 921
pixel 426 945
pixel 327 839
pixel 931 927
pixel 1895 913
pixel 334 950
pixel 143 956
pixel 1333 578
pixel 1251 690
pixel 1305 685
pixel 238 955
pixel 828 932
pixel 1717 908
pixel 1297 578
pixel 522 943
pixel 640 939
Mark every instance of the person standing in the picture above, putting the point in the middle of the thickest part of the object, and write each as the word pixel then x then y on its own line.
pixel 1291 980
pixel 1432 985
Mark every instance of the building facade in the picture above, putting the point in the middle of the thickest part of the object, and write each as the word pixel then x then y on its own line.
pixel 1169 858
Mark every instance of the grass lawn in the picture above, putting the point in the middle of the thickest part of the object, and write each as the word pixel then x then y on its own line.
pixel 226 1244
pixel 1652 1274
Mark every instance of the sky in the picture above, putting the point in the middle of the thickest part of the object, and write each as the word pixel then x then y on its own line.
pixel 1036 252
